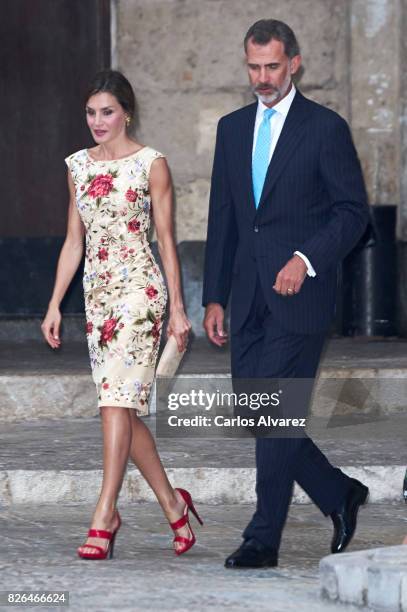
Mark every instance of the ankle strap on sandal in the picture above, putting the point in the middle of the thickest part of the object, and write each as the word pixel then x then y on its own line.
pixel 99 533
pixel 180 522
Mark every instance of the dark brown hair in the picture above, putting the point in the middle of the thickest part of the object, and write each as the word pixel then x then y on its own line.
pixel 265 30
pixel 115 83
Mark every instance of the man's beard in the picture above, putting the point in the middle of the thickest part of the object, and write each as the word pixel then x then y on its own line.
pixel 277 92
pixel 267 98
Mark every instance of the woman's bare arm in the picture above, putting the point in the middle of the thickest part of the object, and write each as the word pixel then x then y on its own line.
pixel 68 263
pixel 162 199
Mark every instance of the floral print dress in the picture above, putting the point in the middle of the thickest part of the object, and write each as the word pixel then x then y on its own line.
pixel 125 294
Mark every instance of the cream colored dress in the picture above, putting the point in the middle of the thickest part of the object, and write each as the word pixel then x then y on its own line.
pixel 125 294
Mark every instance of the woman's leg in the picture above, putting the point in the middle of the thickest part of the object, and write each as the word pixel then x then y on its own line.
pixel 117 432
pixel 143 452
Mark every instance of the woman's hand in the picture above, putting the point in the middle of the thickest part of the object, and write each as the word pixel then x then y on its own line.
pixel 179 326
pixel 50 326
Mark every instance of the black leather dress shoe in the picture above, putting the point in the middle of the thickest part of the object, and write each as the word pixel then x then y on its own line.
pixel 252 554
pixel 345 517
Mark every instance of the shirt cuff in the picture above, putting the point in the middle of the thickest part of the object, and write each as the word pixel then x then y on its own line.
pixel 310 269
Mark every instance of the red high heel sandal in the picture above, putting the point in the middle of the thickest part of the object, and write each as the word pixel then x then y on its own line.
pixel 100 553
pixel 184 520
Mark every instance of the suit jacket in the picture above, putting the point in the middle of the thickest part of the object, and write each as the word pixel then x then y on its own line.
pixel 313 201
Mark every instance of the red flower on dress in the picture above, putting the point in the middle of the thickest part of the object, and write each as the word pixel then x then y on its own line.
pixel 89 327
pixel 151 292
pixel 131 195
pixel 133 226
pixel 155 331
pixel 105 385
pixel 103 254
pixel 101 186
pixel 107 332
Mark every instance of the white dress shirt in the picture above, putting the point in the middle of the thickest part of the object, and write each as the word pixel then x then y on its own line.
pixel 276 125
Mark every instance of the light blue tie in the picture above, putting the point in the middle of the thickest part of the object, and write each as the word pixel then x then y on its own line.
pixel 260 160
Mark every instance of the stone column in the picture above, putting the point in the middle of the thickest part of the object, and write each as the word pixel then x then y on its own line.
pixel 402 293
pixel 375 95
pixel 403 129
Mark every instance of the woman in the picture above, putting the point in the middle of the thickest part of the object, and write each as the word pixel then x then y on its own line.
pixel 114 187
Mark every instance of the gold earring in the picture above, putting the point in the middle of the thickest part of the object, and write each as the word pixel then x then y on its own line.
pixel 128 120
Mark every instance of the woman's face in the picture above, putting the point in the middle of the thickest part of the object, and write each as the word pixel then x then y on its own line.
pixel 105 116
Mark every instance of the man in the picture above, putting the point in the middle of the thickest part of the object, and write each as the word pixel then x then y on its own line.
pixel 287 203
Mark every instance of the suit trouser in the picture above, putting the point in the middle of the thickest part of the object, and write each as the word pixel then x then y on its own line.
pixel 262 349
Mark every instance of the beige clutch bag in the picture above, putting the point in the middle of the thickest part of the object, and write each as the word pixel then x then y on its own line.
pixel 170 359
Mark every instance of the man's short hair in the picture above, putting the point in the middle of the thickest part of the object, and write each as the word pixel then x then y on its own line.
pixel 265 30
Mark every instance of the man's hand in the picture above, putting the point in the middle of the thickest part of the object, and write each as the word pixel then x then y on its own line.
pixel 290 278
pixel 213 324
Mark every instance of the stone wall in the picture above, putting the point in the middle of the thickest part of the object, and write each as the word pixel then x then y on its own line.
pixel 374 94
pixel 186 62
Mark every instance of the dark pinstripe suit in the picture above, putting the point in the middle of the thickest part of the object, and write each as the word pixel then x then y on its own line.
pixel 313 201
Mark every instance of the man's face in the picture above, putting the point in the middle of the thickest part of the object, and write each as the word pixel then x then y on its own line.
pixel 270 70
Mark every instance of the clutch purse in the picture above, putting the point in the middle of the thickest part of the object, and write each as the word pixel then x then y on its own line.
pixel 170 359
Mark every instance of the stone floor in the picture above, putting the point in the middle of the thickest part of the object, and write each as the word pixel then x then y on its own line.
pixel 40 458
pixel 39 542
pixel 76 444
